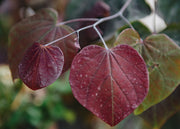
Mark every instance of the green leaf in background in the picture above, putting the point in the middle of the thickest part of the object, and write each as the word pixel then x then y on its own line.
pixel 133 122
pixel 137 8
pixel 169 10
pixel 3 30
pixel 158 114
pixel 162 57
pixel 61 85
pixel 76 8
pixel 173 31
pixel 139 27
pixel 130 37
pixel 21 108
pixel 173 122
pixel 130 122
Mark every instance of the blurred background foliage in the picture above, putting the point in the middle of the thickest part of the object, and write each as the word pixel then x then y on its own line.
pixel 54 107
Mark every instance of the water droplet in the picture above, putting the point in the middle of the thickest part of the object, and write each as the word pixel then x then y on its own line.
pixel 75 38
pixel 29 79
pixel 49 65
pixel 44 82
pixel 126 93
pixel 20 65
pixel 85 54
pixel 134 106
pixel 96 94
pixel 134 72
pixel 72 66
pixel 78 61
pixel 86 75
pixel 101 105
pixel 99 88
pixel 80 75
pixel 77 45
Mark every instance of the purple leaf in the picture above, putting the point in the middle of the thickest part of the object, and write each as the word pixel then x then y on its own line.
pixel 41 66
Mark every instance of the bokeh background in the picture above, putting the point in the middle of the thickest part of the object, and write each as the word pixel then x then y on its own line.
pixel 54 107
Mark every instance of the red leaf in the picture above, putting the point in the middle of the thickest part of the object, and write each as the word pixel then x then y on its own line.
pixel 110 83
pixel 41 66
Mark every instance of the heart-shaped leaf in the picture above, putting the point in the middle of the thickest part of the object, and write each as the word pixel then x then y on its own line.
pixel 41 66
pixel 162 57
pixel 110 83
pixel 42 28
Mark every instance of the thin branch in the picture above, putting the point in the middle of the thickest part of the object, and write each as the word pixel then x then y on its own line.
pixel 154 17
pixel 60 38
pixel 77 31
pixel 99 21
pixel 100 37
pixel 124 6
pixel 77 36
pixel 115 15
pixel 125 19
pixel 77 20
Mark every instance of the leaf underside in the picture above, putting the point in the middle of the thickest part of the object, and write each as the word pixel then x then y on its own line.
pixel 41 66
pixel 162 57
pixel 40 28
pixel 110 83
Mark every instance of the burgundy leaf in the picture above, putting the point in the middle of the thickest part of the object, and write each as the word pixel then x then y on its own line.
pixel 41 27
pixel 110 83
pixel 41 66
